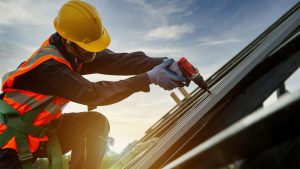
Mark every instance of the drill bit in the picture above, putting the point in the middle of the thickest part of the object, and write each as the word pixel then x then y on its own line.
pixel 201 83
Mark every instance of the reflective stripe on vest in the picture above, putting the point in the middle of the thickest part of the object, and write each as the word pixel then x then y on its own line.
pixel 43 54
pixel 31 102
pixel 24 101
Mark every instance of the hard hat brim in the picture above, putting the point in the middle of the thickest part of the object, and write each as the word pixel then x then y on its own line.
pixel 93 46
pixel 97 45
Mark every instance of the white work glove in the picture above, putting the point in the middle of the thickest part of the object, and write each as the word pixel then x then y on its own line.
pixel 175 68
pixel 162 76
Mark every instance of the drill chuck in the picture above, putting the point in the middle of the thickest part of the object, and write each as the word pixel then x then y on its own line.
pixel 201 83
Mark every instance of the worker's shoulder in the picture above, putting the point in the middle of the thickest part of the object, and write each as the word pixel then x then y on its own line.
pixel 48 50
pixel 48 56
pixel 52 63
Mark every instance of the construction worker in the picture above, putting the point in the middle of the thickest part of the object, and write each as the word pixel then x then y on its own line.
pixel 31 121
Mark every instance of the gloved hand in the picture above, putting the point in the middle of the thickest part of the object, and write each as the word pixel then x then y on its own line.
pixel 175 69
pixel 160 75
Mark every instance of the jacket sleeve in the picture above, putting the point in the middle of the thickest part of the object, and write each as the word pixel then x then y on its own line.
pixel 108 62
pixel 54 78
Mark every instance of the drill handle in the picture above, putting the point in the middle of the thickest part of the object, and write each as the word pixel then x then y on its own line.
pixel 180 79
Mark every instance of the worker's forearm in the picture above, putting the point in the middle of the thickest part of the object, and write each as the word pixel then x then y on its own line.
pixel 134 63
pixel 74 87
pixel 107 92
pixel 54 78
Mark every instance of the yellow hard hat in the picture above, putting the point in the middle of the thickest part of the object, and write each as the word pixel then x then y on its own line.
pixel 79 22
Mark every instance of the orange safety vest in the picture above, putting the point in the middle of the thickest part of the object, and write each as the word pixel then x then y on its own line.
pixel 24 101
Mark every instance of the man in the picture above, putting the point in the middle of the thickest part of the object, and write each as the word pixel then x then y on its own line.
pixel 35 93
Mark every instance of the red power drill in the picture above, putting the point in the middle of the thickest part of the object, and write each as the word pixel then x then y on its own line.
pixel 192 73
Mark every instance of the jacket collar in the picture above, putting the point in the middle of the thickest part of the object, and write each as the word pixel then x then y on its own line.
pixel 55 40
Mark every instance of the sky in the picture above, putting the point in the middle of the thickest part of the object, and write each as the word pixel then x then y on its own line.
pixel 207 32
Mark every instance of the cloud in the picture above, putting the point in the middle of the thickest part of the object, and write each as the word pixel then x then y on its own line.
pixel 20 11
pixel 11 55
pixel 189 13
pixel 213 42
pixel 169 32
pixel 160 12
pixel 156 50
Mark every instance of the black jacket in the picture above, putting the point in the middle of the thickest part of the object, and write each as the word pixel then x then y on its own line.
pixel 55 78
